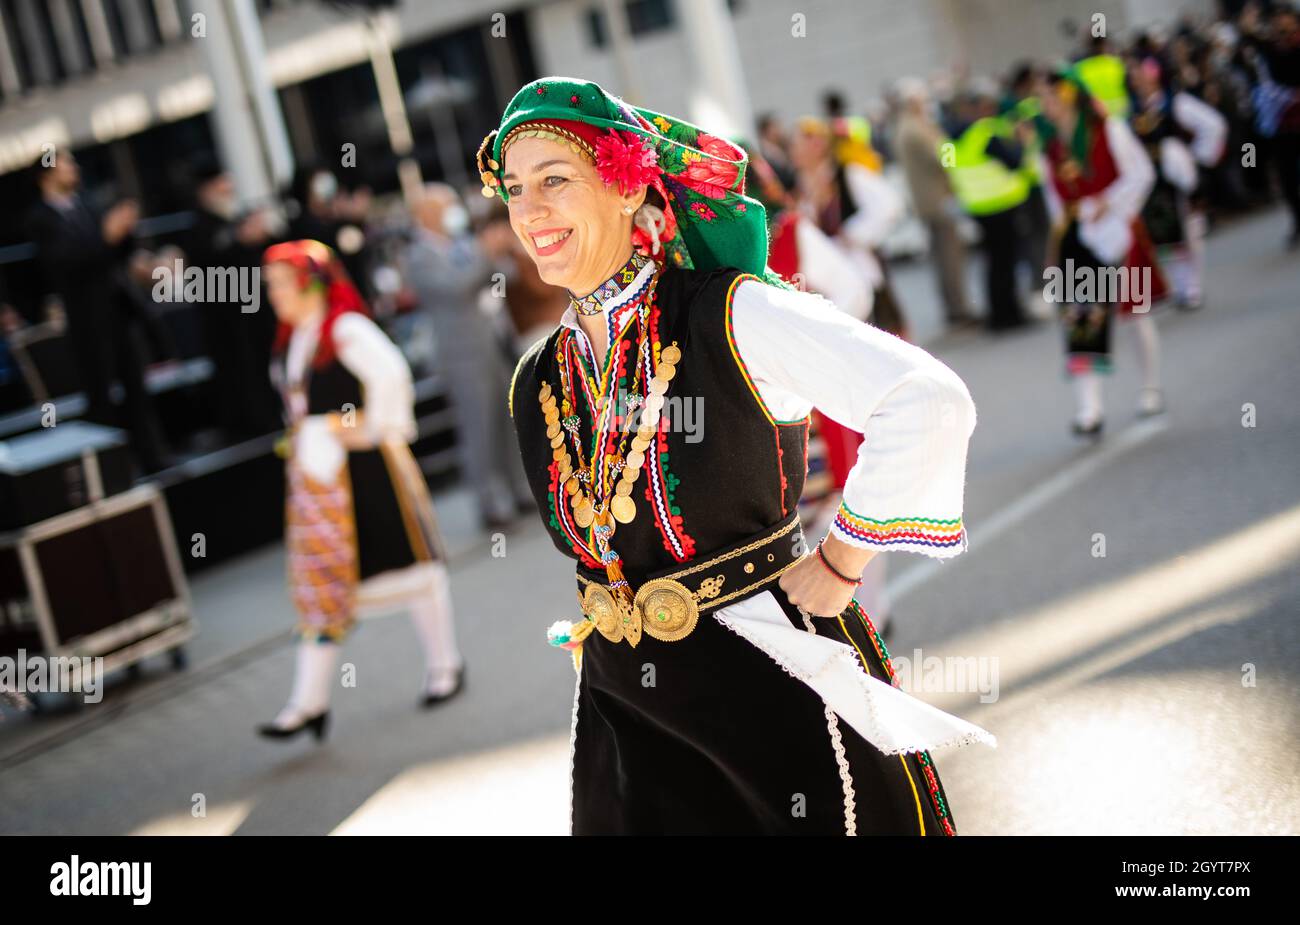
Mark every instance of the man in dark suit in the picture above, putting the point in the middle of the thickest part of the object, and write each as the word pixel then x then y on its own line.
pixel 238 342
pixel 82 256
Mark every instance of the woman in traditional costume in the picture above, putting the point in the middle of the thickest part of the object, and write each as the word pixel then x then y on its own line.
pixel 716 654
pixel 1098 180
pixel 361 532
pixel 1183 136
pixel 842 189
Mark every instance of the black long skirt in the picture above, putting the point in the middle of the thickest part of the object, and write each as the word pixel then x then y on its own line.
pixel 709 735
pixel 395 526
pixel 1086 325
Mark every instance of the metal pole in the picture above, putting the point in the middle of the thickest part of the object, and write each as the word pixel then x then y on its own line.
pixel 393 107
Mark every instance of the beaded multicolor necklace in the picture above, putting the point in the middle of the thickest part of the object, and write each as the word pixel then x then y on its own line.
pixel 599 490
pixel 594 303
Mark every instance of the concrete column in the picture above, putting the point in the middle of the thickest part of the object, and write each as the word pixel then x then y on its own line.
pixel 262 93
pixel 65 31
pixel 9 80
pixel 101 41
pixel 169 19
pixel 246 117
pixel 620 43
pixel 721 102
pixel 135 24
pixel 40 56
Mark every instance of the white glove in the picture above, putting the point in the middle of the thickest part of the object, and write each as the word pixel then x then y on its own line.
pixel 318 451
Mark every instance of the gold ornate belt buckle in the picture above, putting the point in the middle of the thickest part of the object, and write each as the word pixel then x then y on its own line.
pixel 668 609
pixel 602 609
pixel 663 608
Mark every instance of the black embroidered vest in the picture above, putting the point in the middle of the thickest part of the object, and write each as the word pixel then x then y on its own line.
pixel 333 388
pixel 720 472
pixel 330 388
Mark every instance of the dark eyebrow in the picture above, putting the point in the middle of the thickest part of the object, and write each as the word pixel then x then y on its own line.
pixel 539 167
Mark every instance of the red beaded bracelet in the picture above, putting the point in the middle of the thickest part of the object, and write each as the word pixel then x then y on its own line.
pixel 834 571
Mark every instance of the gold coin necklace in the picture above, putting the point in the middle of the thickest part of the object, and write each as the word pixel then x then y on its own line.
pixel 600 510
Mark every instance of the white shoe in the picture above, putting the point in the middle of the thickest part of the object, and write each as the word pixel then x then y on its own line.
pixel 1151 401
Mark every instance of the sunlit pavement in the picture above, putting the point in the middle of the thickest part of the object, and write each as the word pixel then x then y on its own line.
pixel 1152 689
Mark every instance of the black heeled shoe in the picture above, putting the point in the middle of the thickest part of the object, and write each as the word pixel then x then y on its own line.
pixel 431 700
pixel 1092 431
pixel 317 724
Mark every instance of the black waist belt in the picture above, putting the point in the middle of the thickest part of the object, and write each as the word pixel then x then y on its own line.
pixel 668 603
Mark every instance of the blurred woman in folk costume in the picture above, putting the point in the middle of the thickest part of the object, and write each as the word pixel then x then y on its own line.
pixel 1184 138
pixel 689 553
pixel 841 188
pixel 803 255
pixel 361 532
pixel 1098 178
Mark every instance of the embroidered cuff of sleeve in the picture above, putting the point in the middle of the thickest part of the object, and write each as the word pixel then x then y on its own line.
pixel 938 538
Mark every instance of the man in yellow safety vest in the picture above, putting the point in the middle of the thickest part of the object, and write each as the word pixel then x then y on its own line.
pixel 1023 110
pixel 1105 77
pixel 985 166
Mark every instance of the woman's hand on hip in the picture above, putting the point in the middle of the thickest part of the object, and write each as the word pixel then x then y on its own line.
pixel 812 586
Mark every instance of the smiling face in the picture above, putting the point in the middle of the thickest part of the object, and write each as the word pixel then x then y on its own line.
pixel 571 224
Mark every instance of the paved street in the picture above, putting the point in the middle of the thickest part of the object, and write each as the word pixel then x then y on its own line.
pixel 1150 690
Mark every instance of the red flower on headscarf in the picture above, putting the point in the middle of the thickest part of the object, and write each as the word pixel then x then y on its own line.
pixel 711 176
pixel 625 158
pixel 703 211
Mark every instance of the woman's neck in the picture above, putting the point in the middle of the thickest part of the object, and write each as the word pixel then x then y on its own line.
pixel 615 264
pixel 312 318
pixel 593 325
pixel 1066 127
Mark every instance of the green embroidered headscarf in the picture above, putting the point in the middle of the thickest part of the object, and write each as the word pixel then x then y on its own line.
pixel 700 177
pixel 1092 115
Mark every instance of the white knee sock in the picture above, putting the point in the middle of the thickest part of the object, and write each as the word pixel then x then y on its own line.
pixel 1087 394
pixel 1193 257
pixel 1180 272
pixel 313 680
pixel 432 615
pixel 1148 344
